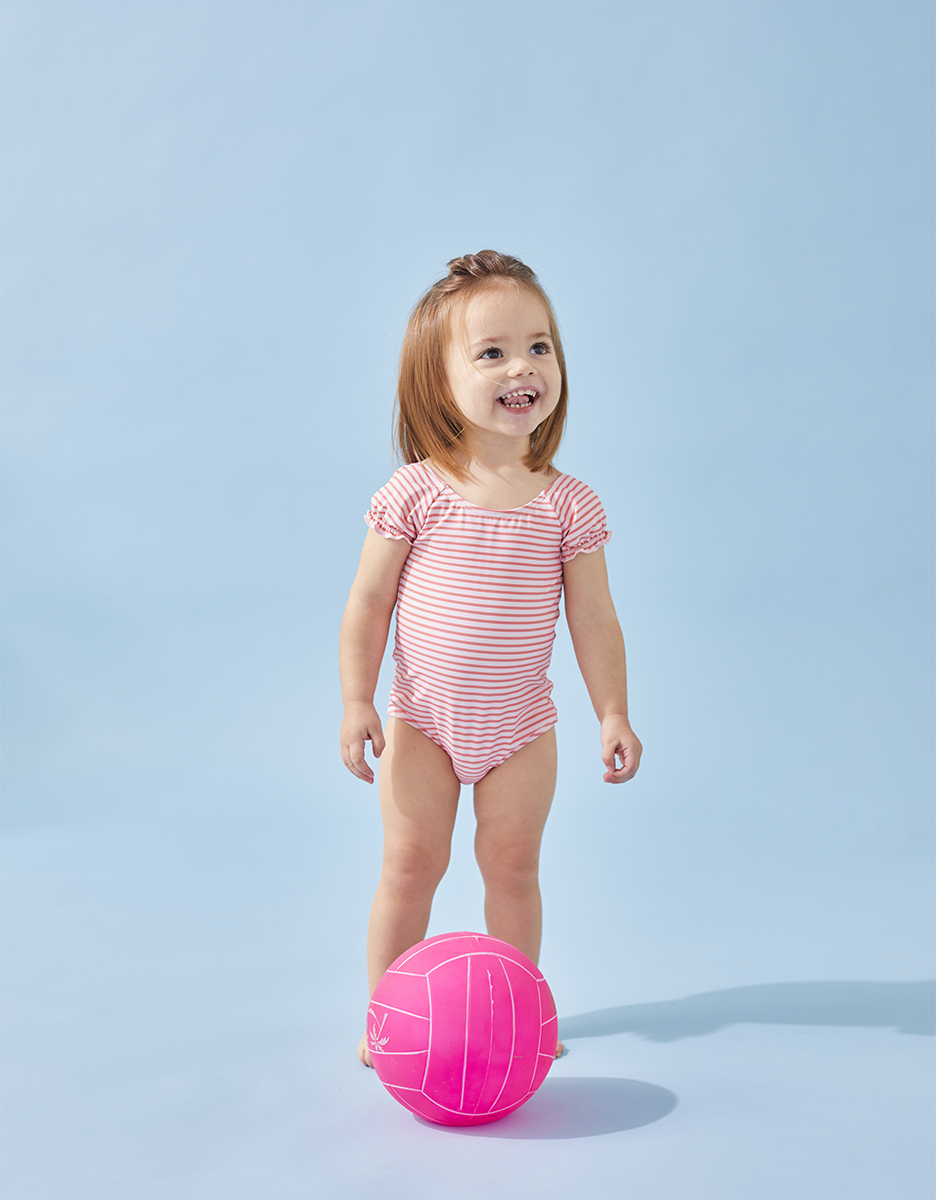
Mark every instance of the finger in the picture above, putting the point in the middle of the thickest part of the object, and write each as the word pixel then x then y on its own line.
pixel 620 776
pixel 363 771
pixel 627 769
pixel 610 754
pixel 357 763
pixel 378 742
pixel 355 771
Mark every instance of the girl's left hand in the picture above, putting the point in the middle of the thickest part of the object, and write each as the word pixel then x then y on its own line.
pixel 618 741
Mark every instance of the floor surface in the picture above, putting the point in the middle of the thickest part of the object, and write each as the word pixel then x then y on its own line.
pixel 182 1025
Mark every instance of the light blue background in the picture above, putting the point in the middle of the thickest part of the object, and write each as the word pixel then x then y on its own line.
pixel 217 217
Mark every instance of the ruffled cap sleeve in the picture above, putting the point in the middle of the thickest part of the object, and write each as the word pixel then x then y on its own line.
pixel 583 520
pixel 399 508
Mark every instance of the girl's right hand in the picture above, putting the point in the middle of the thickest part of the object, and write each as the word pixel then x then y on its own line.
pixel 360 724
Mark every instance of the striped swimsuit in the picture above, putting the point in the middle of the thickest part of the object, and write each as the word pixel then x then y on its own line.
pixel 477 608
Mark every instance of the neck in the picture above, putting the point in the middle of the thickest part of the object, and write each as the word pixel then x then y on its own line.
pixel 487 454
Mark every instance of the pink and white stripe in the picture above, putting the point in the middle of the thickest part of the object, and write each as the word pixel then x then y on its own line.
pixel 477 609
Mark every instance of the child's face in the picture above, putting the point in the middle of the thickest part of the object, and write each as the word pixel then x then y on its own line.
pixel 501 363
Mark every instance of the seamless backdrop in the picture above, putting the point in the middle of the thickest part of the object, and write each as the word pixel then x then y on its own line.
pixel 217 217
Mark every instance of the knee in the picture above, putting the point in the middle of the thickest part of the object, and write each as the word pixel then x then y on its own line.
pixel 411 868
pixel 509 868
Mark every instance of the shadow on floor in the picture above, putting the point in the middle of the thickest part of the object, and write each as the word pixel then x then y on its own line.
pixel 576 1108
pixel 904 1007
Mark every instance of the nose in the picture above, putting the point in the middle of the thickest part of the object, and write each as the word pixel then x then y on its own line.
pixel 520 366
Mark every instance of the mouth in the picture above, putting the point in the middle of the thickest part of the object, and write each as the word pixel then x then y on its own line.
pixel 519 400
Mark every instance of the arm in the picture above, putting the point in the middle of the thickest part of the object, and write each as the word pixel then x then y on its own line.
pixel 599 649
pixel 361 646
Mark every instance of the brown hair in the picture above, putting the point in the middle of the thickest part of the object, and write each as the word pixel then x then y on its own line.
pixel 428 421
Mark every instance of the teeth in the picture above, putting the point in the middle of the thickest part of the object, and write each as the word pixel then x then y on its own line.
pixel 509 402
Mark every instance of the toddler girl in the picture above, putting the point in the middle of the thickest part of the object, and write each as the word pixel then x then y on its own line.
pixel 473 541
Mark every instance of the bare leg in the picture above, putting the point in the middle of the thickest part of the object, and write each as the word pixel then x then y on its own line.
pixel 512 803
pixel 418 802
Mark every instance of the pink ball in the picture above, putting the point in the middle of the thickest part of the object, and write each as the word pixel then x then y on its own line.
pixel 462 1029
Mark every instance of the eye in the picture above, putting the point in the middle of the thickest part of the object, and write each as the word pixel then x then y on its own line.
pixel 539 348
pixel 492 351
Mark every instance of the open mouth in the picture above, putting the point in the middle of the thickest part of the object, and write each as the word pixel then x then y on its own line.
pixel 519 399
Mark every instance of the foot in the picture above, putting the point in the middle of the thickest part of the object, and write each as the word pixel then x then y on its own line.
pixel 560 1049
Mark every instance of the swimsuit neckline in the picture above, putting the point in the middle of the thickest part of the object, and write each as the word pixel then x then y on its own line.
pixel 465 500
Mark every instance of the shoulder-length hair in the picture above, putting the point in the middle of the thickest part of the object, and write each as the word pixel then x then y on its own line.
pixel 429 424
